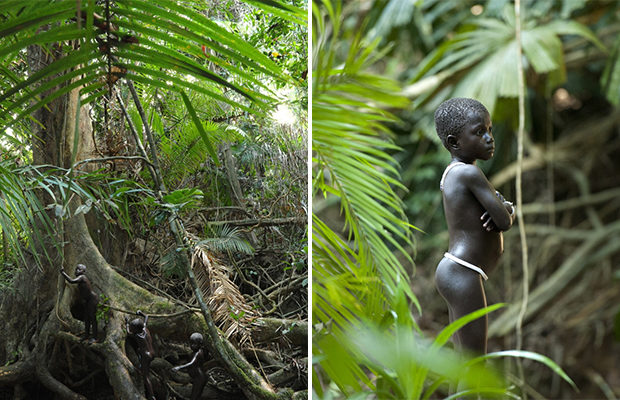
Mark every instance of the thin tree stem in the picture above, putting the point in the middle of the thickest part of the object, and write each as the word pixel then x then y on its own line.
pixel 519 190
pixel 149 136
pixel 136 137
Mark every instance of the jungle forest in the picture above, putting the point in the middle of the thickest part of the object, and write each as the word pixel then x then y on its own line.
pixel 153 199
pixel 548 74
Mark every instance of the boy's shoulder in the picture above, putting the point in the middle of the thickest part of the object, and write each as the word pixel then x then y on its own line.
pixel 468 171
pixel 467 174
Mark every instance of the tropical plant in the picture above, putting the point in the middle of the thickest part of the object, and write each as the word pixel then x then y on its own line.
pixel 19 222
pixel 225 239
pixel 410 366
pixel 161 44
pixel 484 57
pixel 363 278
pixel 94 44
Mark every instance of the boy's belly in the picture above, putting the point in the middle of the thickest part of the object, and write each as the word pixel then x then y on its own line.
pixel 479 248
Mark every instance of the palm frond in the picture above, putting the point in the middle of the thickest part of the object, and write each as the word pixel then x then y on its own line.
pixel 22 220
pixel 350 142
pixel 158 42
pixel 182 151
pixel 484 59
pixel 230 311
pixel 226 239
pixel 358 276
pixel 283 10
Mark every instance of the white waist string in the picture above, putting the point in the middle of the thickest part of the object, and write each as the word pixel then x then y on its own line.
pixel 466 264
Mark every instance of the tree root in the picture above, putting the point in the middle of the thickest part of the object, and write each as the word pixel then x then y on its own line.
pixel 269 329
pixel 13 374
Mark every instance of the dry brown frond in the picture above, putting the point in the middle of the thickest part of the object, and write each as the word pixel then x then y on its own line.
pixel 228 307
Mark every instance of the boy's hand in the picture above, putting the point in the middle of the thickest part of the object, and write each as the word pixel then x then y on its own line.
pixel 509 207
pixel 487 222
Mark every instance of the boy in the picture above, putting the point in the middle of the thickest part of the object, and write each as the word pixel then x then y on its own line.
pixel 194 367
pixel 476 215
pixel 139 337
pixel 87 299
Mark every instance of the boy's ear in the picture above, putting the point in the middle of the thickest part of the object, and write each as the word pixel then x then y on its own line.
pixel 453 142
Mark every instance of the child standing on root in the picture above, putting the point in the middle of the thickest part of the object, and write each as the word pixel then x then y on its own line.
pixel 87 298
pixel 476 215
pixel 194 367
pixel 139 337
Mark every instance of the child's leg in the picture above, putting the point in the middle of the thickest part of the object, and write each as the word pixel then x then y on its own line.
pixel 145 370
pixel 473 336
pixel 198 384
pixel 90 320
pixel 463 291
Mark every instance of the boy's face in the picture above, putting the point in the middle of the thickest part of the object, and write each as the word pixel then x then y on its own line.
pixel 476 139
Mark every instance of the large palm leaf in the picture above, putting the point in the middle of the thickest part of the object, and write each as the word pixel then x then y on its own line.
pixel 159 43
pixel 20 225
pixel 481 62
pixel 357 276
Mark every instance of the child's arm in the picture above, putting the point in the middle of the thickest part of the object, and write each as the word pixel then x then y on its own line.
pixel 189 364
pixel 146 317
pixel 68 278
pixel 495 209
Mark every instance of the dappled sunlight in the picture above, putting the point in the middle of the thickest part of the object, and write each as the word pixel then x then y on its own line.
pixel 283 115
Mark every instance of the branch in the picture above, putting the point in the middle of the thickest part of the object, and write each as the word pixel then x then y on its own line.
pixel 104 159
pixel 261 222
pixel 147 130
pixel 567 148
pixel 600 197
pixel 288 373
pixel 40 368
pixel 267 329
pixel 286 287
pixel 519 190
pixel 46 378
pixel 134 133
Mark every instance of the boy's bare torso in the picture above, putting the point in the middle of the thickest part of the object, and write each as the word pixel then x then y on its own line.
pixel 465 191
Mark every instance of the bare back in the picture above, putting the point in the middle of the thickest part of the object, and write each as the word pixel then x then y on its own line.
pixel 467 194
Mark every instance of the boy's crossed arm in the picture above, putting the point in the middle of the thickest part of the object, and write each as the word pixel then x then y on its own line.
pixel 499 213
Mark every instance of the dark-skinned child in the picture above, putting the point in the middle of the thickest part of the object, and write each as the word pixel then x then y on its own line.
pixel 194 367
pixel 476 215
pixel 87 298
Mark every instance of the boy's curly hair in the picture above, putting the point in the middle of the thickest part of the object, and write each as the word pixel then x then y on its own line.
pixel 451 116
